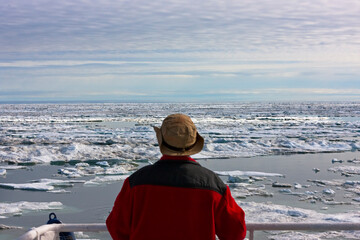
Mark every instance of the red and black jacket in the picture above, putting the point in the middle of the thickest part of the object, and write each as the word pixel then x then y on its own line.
pixel 175 199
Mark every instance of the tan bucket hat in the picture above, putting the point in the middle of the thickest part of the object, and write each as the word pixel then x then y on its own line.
pixel 178 136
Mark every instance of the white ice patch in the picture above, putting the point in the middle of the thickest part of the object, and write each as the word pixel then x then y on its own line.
pixel 346 169
pixel 103 164
pixel 117 170
pixel 84 169
pixel 83 236
pixel 28 186
pixel 269 212
pixel 334 182
pixel 18 208
pixel 287 235
pixel 244 190
pixel 328 191
pixel 12 167
pixel 248 173
pixel 41 184
pixel 106 179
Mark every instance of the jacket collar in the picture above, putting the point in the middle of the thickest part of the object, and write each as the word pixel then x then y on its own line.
pixel 186 158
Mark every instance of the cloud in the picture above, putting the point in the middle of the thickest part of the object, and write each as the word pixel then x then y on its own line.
pixel 299 91
pixel 160 46
pixel 62 63
pixel 177 24
pixel 14 94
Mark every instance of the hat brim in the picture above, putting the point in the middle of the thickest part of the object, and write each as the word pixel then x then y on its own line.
pixel 198 146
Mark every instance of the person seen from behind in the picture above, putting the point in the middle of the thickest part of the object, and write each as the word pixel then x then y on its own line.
pixel 176 198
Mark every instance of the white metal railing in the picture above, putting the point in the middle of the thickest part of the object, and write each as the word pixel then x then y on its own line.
pixel 317 227
pixel 50 231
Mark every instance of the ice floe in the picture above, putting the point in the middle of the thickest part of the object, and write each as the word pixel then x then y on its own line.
pixel 6 227
pixel 243 190
pixel 270 212
pixel 290 192
pixel 104 168
pixel 248 173
pixel 43 133
pixel 11 167
pixel 106 179
pixel 18 208
pixel 103 163
pixel 104 174
pixel 41 184
pixel 346 169
pixel 329 191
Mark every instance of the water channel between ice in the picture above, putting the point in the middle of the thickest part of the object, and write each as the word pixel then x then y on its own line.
pixel 90 203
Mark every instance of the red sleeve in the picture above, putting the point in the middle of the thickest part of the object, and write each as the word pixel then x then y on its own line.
pixel 229 219
pixel 118 222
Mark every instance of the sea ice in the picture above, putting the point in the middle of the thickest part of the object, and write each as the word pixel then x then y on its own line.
pixel 84 169
pixel 106 179
pixel 12 167
pixel 334 182
pixel 244 190
pixel 28 186
pixel 119 170
pixel 346 169
pixel 43 133
pixel 18 208
pixel 335 160
pixel 356 161
pixel 41 184
pixel 6 227
pixel 328 191
pixel 103 163
pixel 237 179
pixel 270 212
pixel 248 173
pixel 289 192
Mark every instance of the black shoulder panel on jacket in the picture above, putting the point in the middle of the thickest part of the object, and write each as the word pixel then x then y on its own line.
pixel 178 173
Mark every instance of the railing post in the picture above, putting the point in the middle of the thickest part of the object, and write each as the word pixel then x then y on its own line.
pixel 251 236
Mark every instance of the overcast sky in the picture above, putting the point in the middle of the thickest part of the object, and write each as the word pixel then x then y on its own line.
pixel 179 50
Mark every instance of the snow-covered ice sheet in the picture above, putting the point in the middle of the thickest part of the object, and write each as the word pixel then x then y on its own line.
pixel 270 212
pixel 84 169
pixel 106 179
pixel 346 169
pixel 18 208
pixel 248 173
pixel 41 184
pixel 42 133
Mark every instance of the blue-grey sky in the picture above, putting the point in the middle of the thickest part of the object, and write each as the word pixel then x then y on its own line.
pixel 179 50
